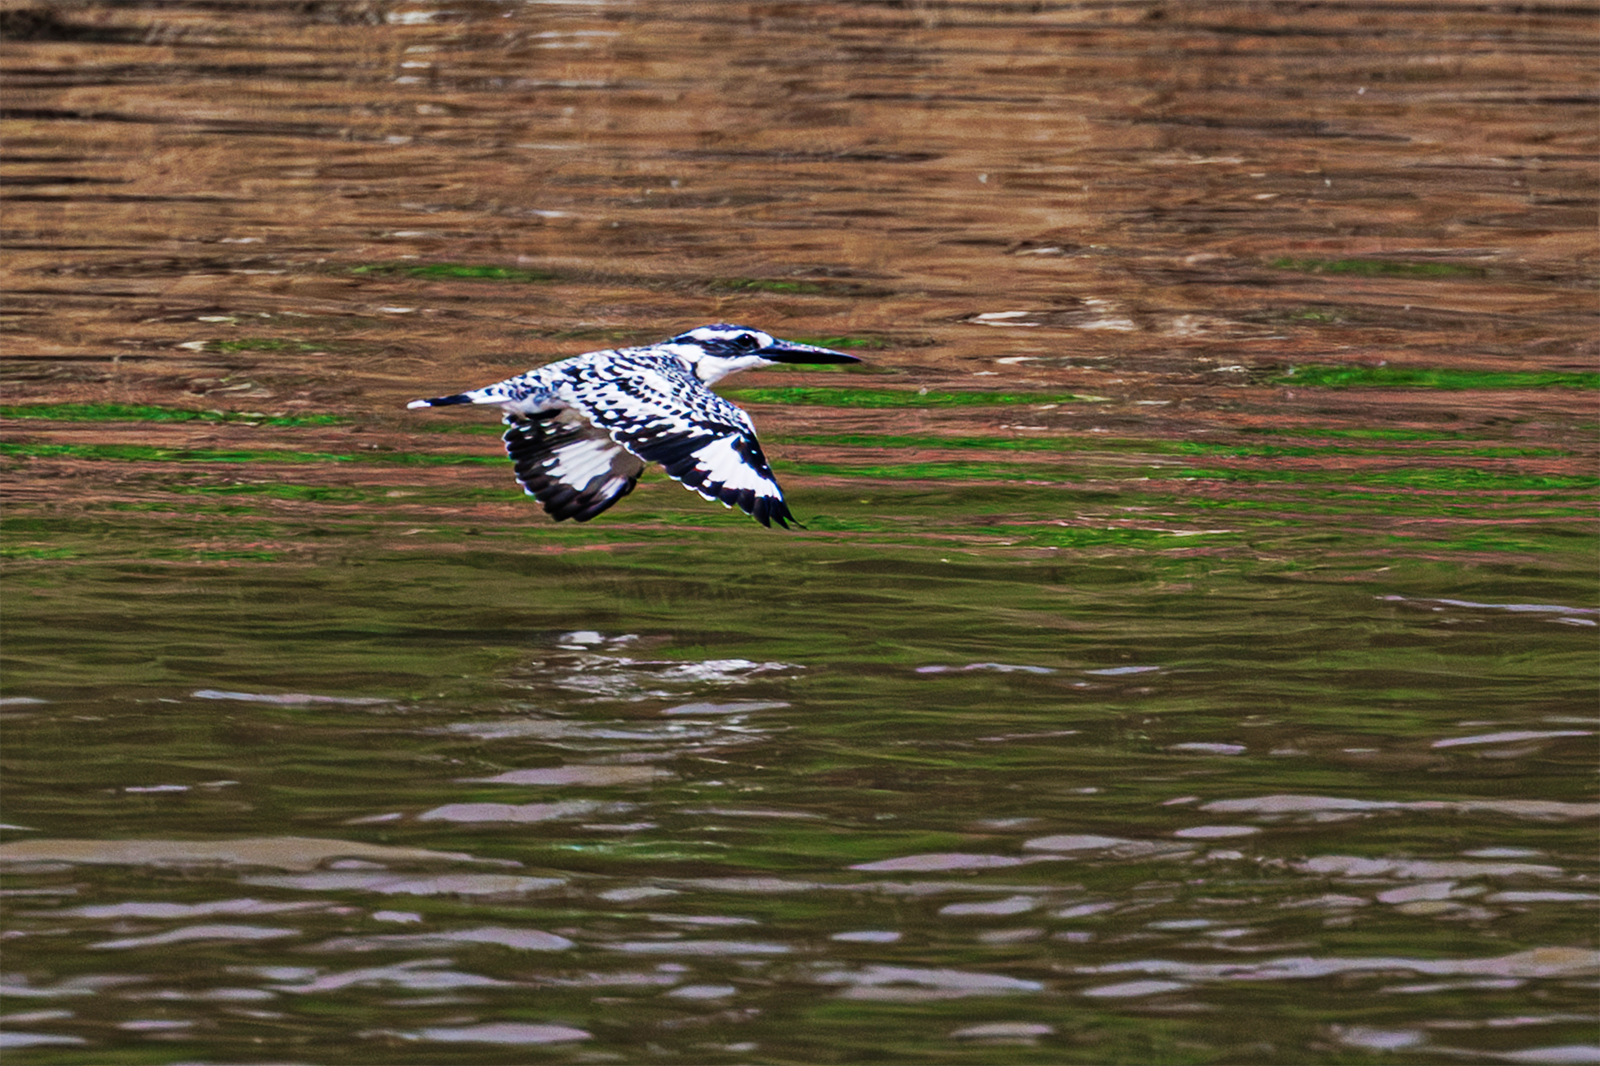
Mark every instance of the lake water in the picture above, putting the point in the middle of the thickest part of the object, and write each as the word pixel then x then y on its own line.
pixel 1190 655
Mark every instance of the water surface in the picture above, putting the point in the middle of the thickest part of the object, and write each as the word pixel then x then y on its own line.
pixel 1190 655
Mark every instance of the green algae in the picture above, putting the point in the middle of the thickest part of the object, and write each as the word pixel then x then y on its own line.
pixel 456 272
pixel 1443 479
pixel 778 285
pixel 817 395
pixel 119 412
pixel 155 453
pixel 1348 377
pixel 1097 443
pixel 264 344
pixel 866 343
pixel 1379 268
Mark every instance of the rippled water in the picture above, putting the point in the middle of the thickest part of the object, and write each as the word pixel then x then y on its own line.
pixel 1190 655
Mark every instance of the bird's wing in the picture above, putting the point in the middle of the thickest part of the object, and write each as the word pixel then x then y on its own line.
pixel 704 441
pixel 568 464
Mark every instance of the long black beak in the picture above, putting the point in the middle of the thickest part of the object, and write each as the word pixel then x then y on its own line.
pixel 795 352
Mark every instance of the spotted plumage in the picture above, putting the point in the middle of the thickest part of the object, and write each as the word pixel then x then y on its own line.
pixel 582 430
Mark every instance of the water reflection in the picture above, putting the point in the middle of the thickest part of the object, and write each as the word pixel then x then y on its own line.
pixel 726 903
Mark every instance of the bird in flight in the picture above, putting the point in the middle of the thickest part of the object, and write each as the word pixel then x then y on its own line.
pixel 581 430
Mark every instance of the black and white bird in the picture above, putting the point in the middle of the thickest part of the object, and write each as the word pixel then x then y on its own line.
pixel 582 430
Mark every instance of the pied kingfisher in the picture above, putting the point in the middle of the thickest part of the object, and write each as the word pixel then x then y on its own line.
pixel 582 429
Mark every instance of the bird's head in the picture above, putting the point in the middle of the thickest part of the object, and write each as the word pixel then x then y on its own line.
pixel 722 349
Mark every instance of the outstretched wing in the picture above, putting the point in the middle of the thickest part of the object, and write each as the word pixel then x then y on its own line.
pixel 568 464
pixel 703 440
pixel 722 463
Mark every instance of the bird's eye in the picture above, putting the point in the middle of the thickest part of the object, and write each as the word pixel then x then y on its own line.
pixel 747 342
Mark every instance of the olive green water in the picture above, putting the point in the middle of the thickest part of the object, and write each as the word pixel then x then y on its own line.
pixel 1190 655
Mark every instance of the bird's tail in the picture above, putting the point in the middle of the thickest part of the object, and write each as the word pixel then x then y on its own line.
pixel 443 401
pixel 511 391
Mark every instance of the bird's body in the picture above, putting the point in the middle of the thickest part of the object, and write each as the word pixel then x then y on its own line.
pixel 582 429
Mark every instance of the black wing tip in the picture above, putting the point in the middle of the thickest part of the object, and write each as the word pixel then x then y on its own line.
pixel 563 502
pixel 769 509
